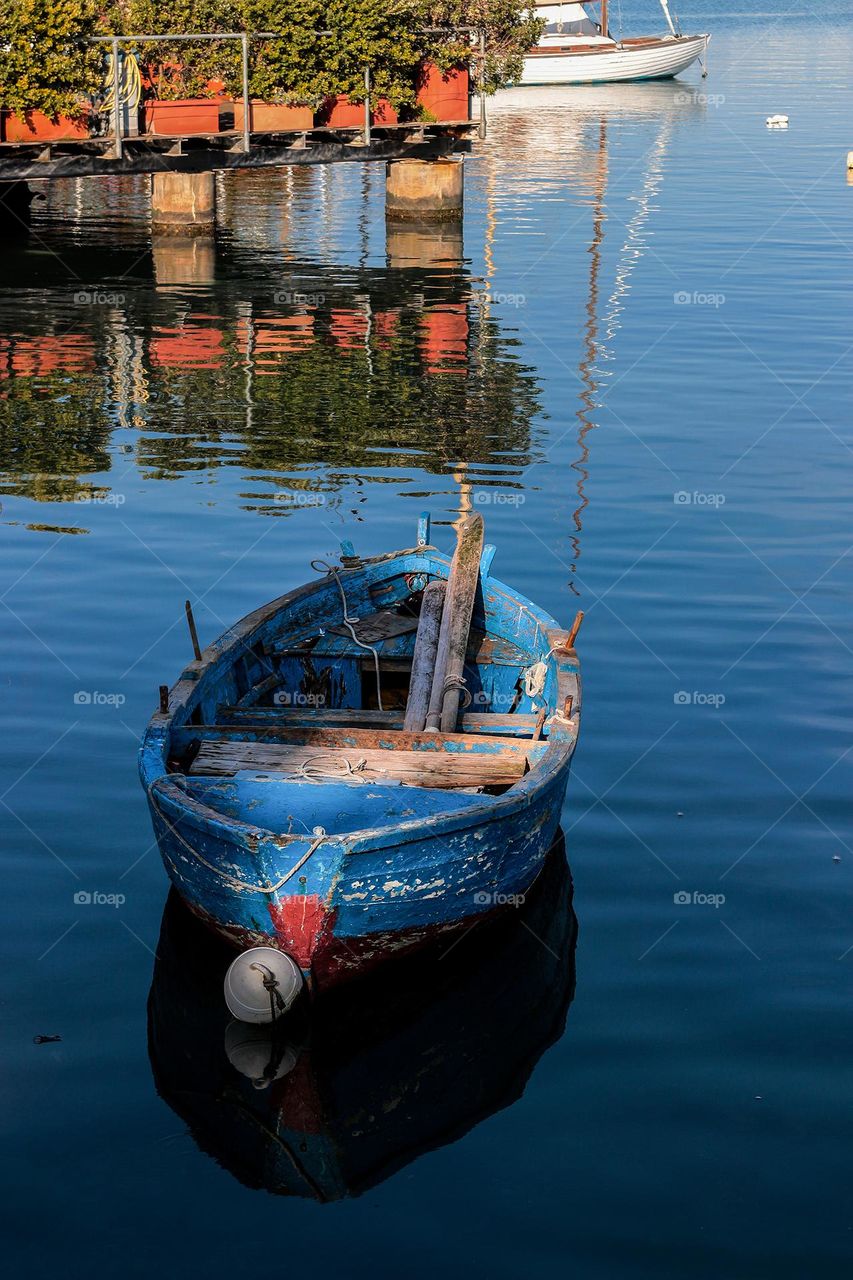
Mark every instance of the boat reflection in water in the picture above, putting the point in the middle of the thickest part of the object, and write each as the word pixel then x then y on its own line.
pixel 338 1098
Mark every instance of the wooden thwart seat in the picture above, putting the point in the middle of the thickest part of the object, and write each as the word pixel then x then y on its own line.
pixel 418 768
pixel 354 717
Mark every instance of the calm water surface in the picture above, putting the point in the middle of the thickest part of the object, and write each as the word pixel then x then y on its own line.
pixel 637 365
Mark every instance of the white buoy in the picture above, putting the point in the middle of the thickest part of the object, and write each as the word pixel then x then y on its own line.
pixel 262 984
pixel 252 1050
pixel 777 122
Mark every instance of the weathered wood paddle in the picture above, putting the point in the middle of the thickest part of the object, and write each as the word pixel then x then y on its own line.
pixel 455 625
pixel 423 660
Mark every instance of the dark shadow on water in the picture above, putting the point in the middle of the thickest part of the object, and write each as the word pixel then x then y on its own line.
pixel 378 1072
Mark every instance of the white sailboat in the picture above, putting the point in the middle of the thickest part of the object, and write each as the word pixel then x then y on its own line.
pixel 576 50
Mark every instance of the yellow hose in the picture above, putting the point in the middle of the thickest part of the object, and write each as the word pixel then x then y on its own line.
pixel 130 83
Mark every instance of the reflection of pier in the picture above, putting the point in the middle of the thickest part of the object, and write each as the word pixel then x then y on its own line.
pixel 341 370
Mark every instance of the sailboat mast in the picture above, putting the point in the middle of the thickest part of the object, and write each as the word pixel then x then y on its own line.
pixel 604 17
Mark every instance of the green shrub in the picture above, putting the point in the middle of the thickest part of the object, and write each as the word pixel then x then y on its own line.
pixel 45 61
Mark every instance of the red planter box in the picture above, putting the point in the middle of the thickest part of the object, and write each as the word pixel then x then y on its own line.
pixel 445 96
pixel 37 127
pixel 273 117
pixel 340 113
pixel 181 117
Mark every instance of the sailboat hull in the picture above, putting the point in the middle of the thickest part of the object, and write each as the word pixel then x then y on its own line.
pixel 644 60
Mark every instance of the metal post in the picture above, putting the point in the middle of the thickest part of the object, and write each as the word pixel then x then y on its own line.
pixel 481 132
pixel 367 106
pixel 244 45
pixel 116 100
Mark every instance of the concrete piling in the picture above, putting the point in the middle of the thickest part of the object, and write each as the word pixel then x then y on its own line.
pixel 183 204
pixel 424 190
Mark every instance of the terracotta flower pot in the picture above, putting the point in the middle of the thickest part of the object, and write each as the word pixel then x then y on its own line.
pixel 181 117
pixel 273 117
pixel 444 94
pixel 37 127
pixel 339 113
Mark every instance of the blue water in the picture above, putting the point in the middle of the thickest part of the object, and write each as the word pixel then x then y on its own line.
pixel 640 372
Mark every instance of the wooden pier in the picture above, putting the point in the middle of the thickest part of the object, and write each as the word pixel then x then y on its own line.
pixel 206 153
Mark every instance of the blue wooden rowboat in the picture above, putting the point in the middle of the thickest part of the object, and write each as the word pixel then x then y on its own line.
pixel 291 807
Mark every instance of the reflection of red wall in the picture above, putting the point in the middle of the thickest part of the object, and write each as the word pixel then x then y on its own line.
pixel 276 337
pixel 190 346
pixel 444 338
pixel 38 357
pixel 348 329
pixel 384 327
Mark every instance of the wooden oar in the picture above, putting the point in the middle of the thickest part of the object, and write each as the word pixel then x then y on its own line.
pixel 423 660
pixel 455 626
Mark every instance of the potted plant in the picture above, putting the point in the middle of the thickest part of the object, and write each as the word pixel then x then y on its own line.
pixel 184 81
pixel 367 34
pixel 47 69
pixel 282 65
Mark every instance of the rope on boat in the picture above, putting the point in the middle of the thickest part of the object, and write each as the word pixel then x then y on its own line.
pixel 348 621
pixel 459 682
pixel 309 769
pixel 319 834
pixel 270 981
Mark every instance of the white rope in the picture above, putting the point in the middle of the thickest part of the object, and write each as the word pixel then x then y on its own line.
pixel 348 621
pixel 319 833
pixel 309 769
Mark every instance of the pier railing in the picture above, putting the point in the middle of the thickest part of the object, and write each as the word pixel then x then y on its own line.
pixel 115 42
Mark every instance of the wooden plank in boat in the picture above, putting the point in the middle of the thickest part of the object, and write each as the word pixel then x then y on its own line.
pixel 520 725
pixel 439 769
pixel 482 648
pixel 378 626
pixel 378 739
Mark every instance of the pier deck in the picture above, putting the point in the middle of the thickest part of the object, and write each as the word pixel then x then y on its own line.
pixel 204 153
